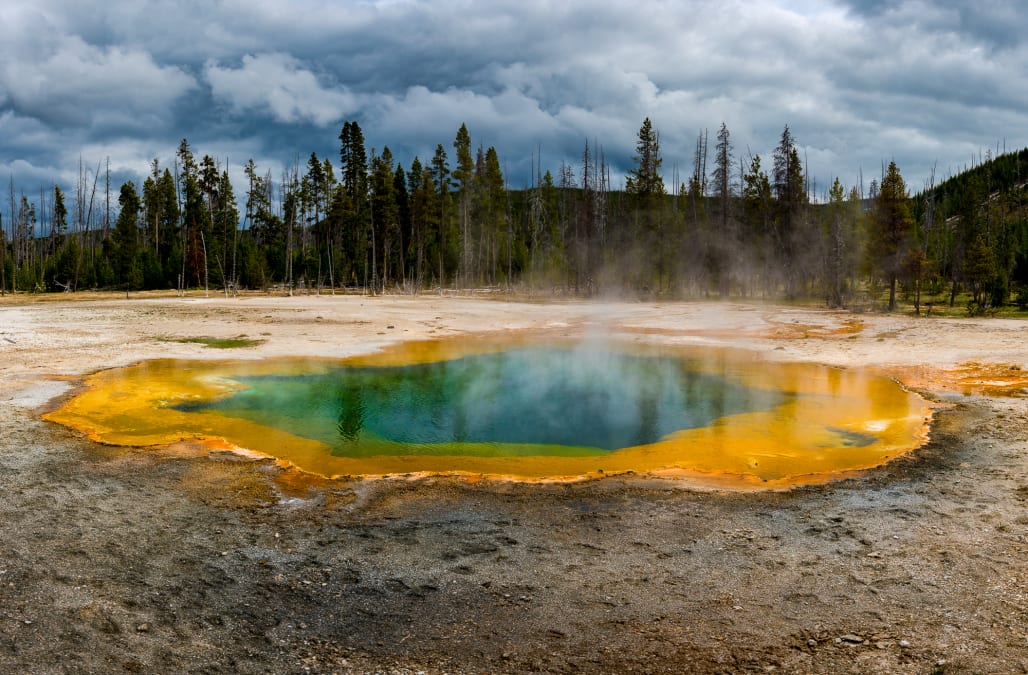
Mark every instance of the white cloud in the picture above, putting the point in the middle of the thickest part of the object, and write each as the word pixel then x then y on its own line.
pixel 278 83
pixel 72 80
pixel 856 80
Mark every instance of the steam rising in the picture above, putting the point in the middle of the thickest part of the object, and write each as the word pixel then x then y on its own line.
pixel 518 408
pixel 585 398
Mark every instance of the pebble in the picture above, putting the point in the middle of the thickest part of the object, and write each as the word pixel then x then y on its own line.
pixel 811 642
pixel 143 628
pixel 852 639
pixel 904 644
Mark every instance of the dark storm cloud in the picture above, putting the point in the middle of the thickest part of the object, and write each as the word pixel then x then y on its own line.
pixel 994 24
pixel 924 82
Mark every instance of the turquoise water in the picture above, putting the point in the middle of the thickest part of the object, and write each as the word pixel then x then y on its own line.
pixel 573 401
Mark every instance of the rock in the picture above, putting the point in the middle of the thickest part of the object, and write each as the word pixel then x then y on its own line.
pixel 811 642
pixel 143 628
pixel 852 639
pixel 904 644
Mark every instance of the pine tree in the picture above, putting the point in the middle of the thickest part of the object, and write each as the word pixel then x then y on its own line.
pixel 723 172
pixel 3 258
pixel 791 196
pixel 266 261
pixel 722 244
pixel 464 177
pixel 353 161
pixel 494 216
pixel 444 238
pixel 584 222
pixel 126 239
pixel 403 218
pixel 644 179
pixel 226 223
pixel 196 217
pixel 316 191
pixel 384 221
pixel 892 223
pixel 423 214
pixel 328 232
pixel 59 220
pixel 979 270
pixel 354 169
pixel 646 186
pixel 758 207
pixel 168 218
pixel 835 243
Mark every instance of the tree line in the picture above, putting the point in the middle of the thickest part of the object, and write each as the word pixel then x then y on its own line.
pixel 732 228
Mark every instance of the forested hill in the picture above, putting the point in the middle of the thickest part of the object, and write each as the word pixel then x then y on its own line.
pixel 998 174
pixel 736 227
pixel 975 228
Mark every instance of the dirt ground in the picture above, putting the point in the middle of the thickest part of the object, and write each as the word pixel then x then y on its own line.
pixel 167 561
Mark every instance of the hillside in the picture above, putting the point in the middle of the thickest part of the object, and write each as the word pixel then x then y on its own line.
pixel 975 229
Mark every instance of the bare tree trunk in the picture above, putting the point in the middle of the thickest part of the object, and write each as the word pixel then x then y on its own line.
pixel 206 286
pixel 107 189
pixel 331 275
pixel 3 259
pixel 288 219
pixel 510 239
pixel 917 295
pixel 374 259
pixel 235 242
pixel 221 269
pixel 14 241
pixel 89 218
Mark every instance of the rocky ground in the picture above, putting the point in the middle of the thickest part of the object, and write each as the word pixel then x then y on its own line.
pixel 170 560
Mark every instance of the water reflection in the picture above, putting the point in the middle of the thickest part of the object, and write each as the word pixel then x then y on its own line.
pixel 585 399
pixel 351 416
pixel 518 408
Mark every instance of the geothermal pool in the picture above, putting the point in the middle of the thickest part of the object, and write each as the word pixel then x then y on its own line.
pixel 521 409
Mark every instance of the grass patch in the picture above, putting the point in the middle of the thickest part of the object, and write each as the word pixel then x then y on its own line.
pixel 218 343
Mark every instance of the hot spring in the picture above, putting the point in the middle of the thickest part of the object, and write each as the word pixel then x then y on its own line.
pixel 519 409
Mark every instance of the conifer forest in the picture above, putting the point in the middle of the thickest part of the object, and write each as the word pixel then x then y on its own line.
pixel 739 226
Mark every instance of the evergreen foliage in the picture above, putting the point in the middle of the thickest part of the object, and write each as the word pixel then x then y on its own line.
pixel 738 231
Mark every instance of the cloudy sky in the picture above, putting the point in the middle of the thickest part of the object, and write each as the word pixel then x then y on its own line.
pixel 925 82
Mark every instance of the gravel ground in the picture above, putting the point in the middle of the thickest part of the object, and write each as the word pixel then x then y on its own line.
pixel 174 560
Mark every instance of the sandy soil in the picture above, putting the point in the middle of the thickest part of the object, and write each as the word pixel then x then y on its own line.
pixel 139 560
